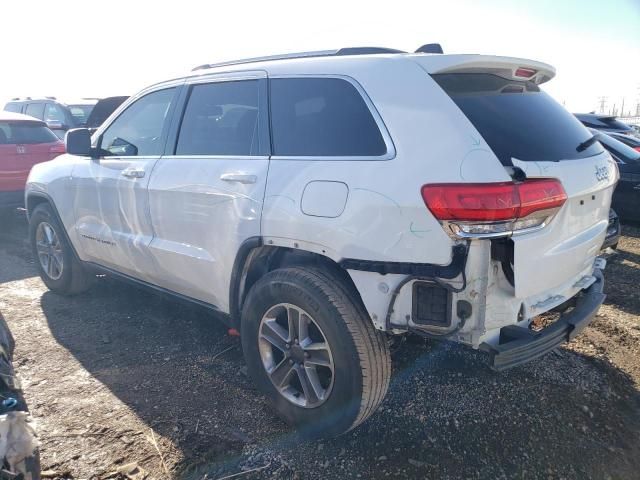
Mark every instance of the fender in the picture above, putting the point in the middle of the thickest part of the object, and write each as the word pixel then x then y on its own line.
pixel 47 198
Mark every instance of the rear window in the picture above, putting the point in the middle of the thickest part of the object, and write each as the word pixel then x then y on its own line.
pixel 618 150
pixel 604 122
pixel 323 117
pixel 627 140
pixel 13 107
pixel 517 119
pixel 25 133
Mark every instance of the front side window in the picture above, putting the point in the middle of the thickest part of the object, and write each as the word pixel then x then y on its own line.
pixel 80 113
pixel 35 110
pixel 323 117
pixel 138 131
pixel 223 118
pixel 54 113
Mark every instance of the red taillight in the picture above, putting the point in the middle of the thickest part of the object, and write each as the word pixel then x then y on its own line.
pixel 471 201
pixel 637 149
pixel 538 195
pixel 494 208
pixel 56 149
pixel 525 72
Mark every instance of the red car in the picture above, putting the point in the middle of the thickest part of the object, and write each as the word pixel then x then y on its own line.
pixel 24 141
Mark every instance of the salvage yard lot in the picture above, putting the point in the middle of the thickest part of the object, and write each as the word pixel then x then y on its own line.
pixel 120 376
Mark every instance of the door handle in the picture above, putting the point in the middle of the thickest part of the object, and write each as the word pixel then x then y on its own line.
pixel 238 178
pixel 133 173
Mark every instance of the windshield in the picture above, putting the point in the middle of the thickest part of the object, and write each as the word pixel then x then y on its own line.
pixel 517 119
pixel 80 113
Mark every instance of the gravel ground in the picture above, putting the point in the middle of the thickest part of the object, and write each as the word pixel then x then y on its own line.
pixel 119 378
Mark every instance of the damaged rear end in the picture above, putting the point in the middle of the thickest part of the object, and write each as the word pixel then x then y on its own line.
pixel 532 242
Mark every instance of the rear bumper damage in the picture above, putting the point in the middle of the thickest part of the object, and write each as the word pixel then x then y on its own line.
pixel 519 345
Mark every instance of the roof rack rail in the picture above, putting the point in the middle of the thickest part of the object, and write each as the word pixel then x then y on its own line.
pixel 314 54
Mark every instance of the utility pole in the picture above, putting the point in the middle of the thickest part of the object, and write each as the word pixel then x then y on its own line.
pixel 602 102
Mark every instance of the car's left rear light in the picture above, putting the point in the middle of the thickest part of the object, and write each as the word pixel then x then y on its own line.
pixel 56 149
pixel 494 209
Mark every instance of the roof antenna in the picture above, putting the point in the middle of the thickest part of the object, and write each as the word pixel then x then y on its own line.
pixel 430 48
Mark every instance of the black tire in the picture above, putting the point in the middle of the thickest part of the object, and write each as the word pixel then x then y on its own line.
pixel 74 279
pixel 362 364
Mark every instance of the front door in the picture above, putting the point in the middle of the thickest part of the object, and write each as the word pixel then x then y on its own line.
pixel 206 194
pixel 111 201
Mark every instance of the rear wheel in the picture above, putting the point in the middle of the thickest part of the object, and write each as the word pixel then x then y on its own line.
pixel 313 351
pixel 57 264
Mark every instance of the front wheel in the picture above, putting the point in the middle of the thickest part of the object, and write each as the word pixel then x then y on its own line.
pixel 311 348
pixel 57 264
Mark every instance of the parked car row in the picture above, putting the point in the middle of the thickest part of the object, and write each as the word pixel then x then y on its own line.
pixel 626 197
pixel 61 116
pixel 24 142
pixel 31 131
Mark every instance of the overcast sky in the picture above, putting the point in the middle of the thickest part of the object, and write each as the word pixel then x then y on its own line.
pixel 93 48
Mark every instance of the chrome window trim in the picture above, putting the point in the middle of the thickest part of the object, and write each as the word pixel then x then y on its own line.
pixel 226 77
pixel 218 157
pixel 382 128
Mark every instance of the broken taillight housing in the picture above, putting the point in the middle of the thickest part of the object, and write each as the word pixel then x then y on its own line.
pixel 494 209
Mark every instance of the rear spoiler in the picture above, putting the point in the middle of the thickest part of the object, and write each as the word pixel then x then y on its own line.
pixel 506 67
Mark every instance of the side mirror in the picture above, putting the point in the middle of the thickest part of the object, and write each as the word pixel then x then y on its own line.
pixel 78 142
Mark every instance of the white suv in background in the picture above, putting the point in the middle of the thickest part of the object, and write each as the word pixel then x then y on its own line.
pixel 325 201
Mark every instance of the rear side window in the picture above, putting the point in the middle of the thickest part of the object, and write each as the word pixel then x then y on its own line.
pixel 35 110
pixel 517 119
pixel 25 133
pixel 224 118
pixel 324 117
pixel 13 107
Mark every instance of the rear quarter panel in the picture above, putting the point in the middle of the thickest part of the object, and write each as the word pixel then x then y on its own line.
pixel 384 216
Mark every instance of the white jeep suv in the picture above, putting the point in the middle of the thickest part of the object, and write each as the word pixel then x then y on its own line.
pixel 324 201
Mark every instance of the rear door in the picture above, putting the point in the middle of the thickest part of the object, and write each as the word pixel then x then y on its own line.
pixel 527 129
pixel 111 200
pixel 206 192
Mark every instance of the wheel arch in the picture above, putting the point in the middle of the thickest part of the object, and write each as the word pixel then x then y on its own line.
pixel 34 199
pixel 254 260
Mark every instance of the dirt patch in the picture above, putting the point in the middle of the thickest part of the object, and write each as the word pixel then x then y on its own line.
pixel 120 375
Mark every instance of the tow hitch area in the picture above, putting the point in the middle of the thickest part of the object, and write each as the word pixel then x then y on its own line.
pixel 519 345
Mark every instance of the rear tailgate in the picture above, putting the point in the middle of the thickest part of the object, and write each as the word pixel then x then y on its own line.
pixel 568 246
pixel 526 129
